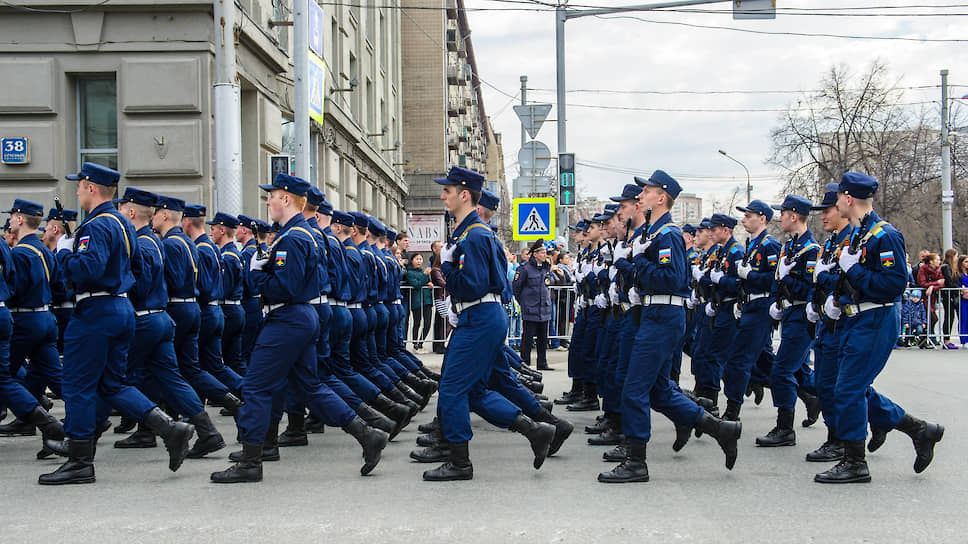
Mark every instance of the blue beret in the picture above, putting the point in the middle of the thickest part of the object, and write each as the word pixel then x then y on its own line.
pixel 758 206
pixel 375 227
pixel 138 196
pixel 289 184
pixel 689 228
pixel 325 208
pixel 27 207
pixel 195 210
pixel 722 220
pixel 468 179
pixel 490 200
pixel 170 203
pixel 315 197
pixel 857 185
pixel 391 235
pixel 225 220
pixel 629 192
pixel 795 203
pixel 829 197
pixel 342 218
pixel 102 175
pixel 663 181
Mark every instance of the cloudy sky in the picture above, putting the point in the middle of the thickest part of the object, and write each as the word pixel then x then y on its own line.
pixel 660 54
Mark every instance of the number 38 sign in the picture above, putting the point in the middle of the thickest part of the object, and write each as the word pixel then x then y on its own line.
pixel 15 150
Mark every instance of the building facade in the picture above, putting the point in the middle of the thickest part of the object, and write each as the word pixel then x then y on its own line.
pixel 688 209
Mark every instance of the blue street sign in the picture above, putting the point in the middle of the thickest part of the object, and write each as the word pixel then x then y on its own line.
pixel 15 150
pixel 316 28
pixel 533 218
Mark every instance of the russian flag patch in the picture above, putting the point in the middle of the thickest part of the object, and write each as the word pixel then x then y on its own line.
pixel 83 242
pixel 281 258
pixel 887 259
pixel 665 255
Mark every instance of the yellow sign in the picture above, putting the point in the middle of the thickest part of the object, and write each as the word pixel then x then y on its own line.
pixel 317 87
pixel 533 218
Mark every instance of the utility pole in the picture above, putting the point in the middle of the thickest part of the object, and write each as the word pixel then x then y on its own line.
pixel 300 59
pixel 947 195
pixel 524 102
pixel 228 113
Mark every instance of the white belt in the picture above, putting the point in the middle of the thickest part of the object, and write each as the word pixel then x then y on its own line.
pixel 727 300
pixel 43 308
pixel 142 313
pixel 352 305
pixel 751 298
pixel 181 300
pixel 321 299
pixel 669 300
pixel 272 307
pixel 230 302
pixel 853 309
pixel 3 304
pixel 397 302
pixel 212 303
pixel 792 303
pixel 82 296
pixel 490 297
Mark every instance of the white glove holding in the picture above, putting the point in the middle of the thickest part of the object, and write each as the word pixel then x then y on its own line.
pixel 597 268
pixel 65 243
pixel 638 246
pixel 581 302
pixel 737 311
pixel 623 251
pixel 255 263
pixel 710 311
pixel 452 318
pixel 823 267
pixel 601 301
pixel 612 272
pixel 743 270
pixel 716 275
pixel 696 272
pixel 634 297
pixel 784 269
pixel 775 312
pixel 848 260
pixel 832 311
pixel 692 301
pixel 812 316
pixel 447 253
pixel 613 295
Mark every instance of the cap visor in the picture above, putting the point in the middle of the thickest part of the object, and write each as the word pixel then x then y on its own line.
pixel 268 187
pixel 73 177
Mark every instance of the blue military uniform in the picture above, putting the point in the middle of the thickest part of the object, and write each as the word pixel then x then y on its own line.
pixel 250 298
pixel 62 294
pixel 233 280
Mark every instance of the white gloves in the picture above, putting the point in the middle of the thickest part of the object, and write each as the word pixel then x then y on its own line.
pixel 597 268
pixel 737 311
pixel 710 311
pixel 775 312
pixel 696 272
pixel 812 316
pixel 692 301
pixel 606 252
pixel 716 275
pixel 452 317
pixel 783 269
pixel 612 272
pixel 623 251
pixel 255 263
pixel 638 246
pixel 447 253
pixel 848 260
pixel 581 302
pixel 743 270
pixel 634 297
pixel 832 311
pixel 65 243
pixel 823 267
pixel 613 295
pixel 601 301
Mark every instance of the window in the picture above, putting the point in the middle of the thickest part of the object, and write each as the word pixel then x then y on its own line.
pixel 97 121
pixel 281 12
pixel 370 22
pixel 384 48
pixel 336 55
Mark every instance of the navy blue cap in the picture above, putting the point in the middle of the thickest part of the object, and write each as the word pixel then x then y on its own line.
pixel 225 220
pixel 857 185
pixel 95 173
pixel 289 184
pixel 629 192
pixel 795 203
pixel 490 200
pixel 136 196
pixel 315 197
pixel 325 208
pixel 391 235
pixel 170 203
pixel 758 206
pixel 704 224
pixel 662 180
pixel 582 225
pixel 829 197
pixel 262 227
pixel 462 176
pixel 246 221
pixel 67 215
pixel 26 207
pixel 360 219
pixel 611 208
pixel 689 228
pixel 722 220
pixel 342 218
pixel 375 227
pixel 195 210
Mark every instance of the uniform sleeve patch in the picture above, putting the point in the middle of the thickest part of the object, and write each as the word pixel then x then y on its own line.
pixel 665 255
pixel 281 258
pixel 887 259
pixel 83 242
pixel 810 266
pixel 771 259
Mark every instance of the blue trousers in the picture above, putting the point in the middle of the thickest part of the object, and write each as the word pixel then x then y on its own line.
pixel 153 368
pixel 472 355
pixel 647 384
pixel 754 330
pixel 701 333
pixel 210 348
pixel 396 349
pixel 232 337
pixel 608 388
pixel 825 369
pixel 794 345
pixel 62 315
pixel 630 328
pixel 13 394
pixel 359 355
pixel 285 353
pixel 503 382
pixel 723 326
pixel 341 328
pixel 296 404
pixel 95 358
pixel 865 345
pixel 188 320
pixel 588 361
pixel 35 338
pixel 576 347
pixel 253 322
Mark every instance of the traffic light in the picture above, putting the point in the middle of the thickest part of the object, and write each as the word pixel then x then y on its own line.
pixel 566 180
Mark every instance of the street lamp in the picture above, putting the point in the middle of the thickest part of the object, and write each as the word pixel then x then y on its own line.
pixel 748 187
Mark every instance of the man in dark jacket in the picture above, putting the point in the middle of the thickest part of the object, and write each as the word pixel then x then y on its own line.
pixel 530 287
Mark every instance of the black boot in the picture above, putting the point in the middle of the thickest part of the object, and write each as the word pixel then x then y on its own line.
pixel 270 449
pixel 433 454
pixel 540 435
pixel 295 433
pixel 878 437
pixel 616 454
pixel 530 373
pixel 851 469
pixel 726 433
pixel 372 440
pixel 813 408
pixel 434 425
pixel 573 396
pixel 546 404
pixel 683 432
pixel 18 427
pixel 397 396
pixel 375 419
pixel 230 405
pixel 457 467
pixel 50 427
pixel 632 469
pixel 424 388
pixel 126 425
pixel 430 374
pixel 828 452
pixel 782 434
pixel 3 413
pixel 601 424
pixel 141 438
pixel 755 389
pixel 533 386
pixel 175 435
pixel 924 435
pixel 415 397
pixel 62 448
pixel 611 436
pixel 79 468
pixel 399 413
pixel 209 439
pixel 732 410
pixel 588 402
pixel 563 429
pixel 248 467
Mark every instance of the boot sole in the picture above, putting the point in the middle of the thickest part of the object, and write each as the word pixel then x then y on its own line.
pixel 193 454
pixel 606 480
pixel 237 481
pixel 857 480
pixel 442 459
pixel 776 444
pixel 88 480
pixel 560 438
pixel 144 446
pixel 457 478
pixel 823 459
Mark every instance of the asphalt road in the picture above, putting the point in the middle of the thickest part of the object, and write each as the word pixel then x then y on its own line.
pixel 316 492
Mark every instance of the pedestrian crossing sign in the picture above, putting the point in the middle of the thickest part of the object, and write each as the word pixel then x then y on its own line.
pixel 533 218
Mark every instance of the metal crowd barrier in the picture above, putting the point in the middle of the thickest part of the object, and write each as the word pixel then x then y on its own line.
pixel 946 324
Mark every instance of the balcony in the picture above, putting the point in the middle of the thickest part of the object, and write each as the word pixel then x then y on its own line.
pixel 453 106
pixel 463 134
pixel 452 10
pixel 451 140
pixel 462 160
pixel 452 39
pixel 453 75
